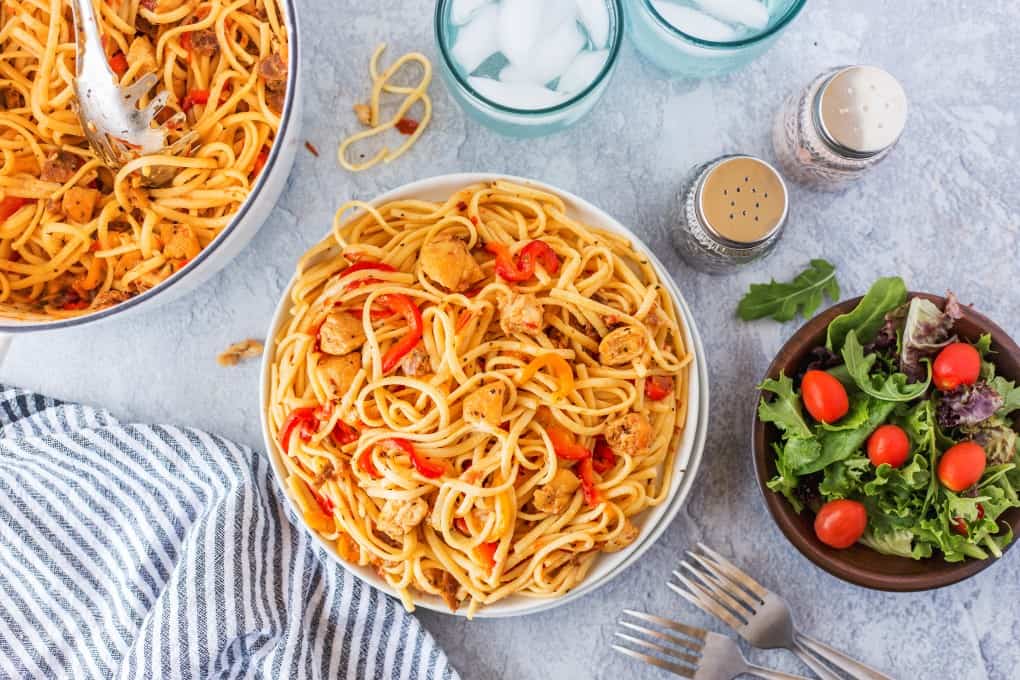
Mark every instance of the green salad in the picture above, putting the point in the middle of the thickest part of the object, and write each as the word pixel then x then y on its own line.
pixel 899 434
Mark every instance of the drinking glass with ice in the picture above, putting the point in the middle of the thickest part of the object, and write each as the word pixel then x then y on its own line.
pixel 528 67
pixel 706 37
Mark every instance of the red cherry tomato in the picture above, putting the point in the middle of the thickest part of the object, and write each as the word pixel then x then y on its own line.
pixel 962 466
pixel 888 444
pixel 960 524
pixel 824 397
pixel 658 387
pixel 840 523
pixel 958 364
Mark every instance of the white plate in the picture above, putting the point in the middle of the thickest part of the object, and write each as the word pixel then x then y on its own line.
pixel 651 522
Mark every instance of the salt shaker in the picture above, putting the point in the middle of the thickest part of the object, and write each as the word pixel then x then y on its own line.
pixel 840 126
pixel 732 211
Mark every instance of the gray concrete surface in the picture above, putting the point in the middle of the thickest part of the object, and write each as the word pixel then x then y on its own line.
pixel 943 211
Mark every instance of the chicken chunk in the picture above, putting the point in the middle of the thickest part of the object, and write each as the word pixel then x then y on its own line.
pixel 630 434
pixel 60 167
pixel 398 518
pixel 204 41
pixel 448 262
pixel 341 334
pixel 108 298
pixel 621 540
pixel 79 203
pixel 555 496
pixel 141 52
pixel 485 405
pixel 416 362
pixel 622 345
pixel 179 241
pixel 521 314
pixel 239 351
pixel 338 373
pixel 448 587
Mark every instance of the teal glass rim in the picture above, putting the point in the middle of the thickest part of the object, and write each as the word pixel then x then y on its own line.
pixel 616 40
pixel 791 12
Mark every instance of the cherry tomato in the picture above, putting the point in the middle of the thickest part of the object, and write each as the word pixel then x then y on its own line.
pixel 840 523
pixel 824 397
pixel 962 466
pixel 888 444
pixel 958 364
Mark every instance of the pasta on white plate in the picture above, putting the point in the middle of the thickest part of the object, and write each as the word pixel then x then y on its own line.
pixel 474 397
pixel 76 237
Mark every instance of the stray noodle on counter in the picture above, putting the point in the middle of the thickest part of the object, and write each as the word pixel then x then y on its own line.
pixel 368 114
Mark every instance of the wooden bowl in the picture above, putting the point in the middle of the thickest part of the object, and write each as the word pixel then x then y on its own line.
pixel 859 564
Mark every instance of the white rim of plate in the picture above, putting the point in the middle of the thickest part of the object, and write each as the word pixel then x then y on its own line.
pixel 652 522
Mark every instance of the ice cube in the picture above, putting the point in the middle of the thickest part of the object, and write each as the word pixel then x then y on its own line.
pixel 595 17
pixel 520 23
pixel 553 53
pixel 514 74
pixel 698 24
pixel 517 95
pixel 478 40
pixel 750 13
pixel 462 10
pixel 582 71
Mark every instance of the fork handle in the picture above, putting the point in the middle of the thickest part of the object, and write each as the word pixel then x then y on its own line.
pixel 813 662
pixel 848 664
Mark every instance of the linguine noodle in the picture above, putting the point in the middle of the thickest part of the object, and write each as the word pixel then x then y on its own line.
pixel 76 237
pixel 508 448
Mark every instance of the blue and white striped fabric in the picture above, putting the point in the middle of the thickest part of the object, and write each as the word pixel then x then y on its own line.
pixel 137 551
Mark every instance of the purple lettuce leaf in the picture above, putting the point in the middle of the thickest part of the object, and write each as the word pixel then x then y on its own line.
pixel 926 330
pixel 968 405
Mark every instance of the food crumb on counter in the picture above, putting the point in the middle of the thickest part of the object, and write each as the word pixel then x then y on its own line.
pixel 240 351
pixel 364 114
pixel 311 148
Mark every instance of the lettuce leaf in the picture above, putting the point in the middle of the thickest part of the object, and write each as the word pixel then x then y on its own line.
pixel 837 446
pixel 783 411
pixel 868 316
pixel 926 330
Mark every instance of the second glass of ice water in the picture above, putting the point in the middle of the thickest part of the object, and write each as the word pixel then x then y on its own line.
pixel 704 38
pixel 528 67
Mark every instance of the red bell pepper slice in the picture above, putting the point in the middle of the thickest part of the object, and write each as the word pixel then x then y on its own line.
pixel 119 63
pixel 587 474
pixel 564 445
pixel 423 465
pixel 260 162
pixel 11 205
pixel 658 387
pixel 487 553
pixel 366 464
pixel 461 524
pixel 299 416
pixel 324 503
pixel 524 268
pixel 603 458
pixel 401 304
pixel 344 434
pixel 194 97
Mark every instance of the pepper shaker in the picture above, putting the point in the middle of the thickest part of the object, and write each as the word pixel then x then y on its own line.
pixel 840 126
pixel 732 211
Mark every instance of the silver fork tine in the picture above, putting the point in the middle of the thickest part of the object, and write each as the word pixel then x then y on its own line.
pixel 690 631
pixel 722 589
pixel 702 600
pixel 661 649
pixel 672 639
pixel 734 572
pixel 677 669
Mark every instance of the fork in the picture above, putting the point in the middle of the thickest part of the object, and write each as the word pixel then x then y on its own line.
pixel 699 655
pixel 715 585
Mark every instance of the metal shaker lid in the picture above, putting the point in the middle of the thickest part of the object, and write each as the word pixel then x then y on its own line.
pixel 861 110
pixel 742 200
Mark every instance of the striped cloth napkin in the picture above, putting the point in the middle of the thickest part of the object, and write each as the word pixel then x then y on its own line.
pixel 138 551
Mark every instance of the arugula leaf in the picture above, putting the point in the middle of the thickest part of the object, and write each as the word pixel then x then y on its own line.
pixel 867 317
pixel 785 482
pixel 887 388
pixel 783 411
pixel 781 301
